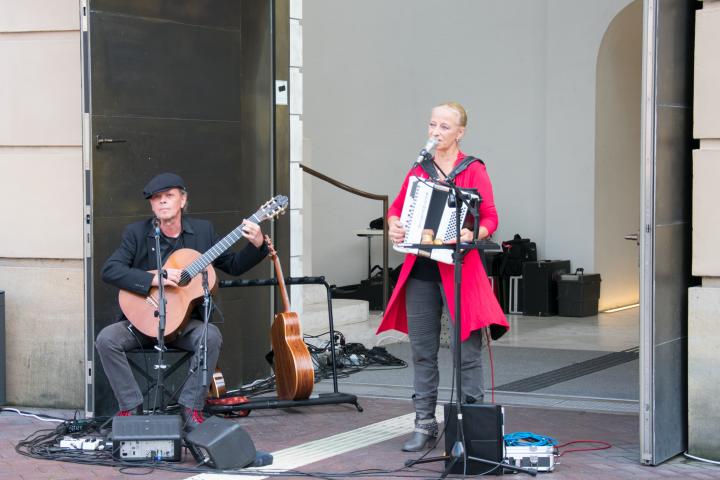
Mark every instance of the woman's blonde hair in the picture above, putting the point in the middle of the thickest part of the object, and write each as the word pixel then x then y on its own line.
pixel 458 108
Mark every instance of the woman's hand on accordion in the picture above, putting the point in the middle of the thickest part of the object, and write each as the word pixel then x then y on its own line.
pixel 396 230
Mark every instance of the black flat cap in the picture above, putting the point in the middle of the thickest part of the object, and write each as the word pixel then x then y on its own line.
pixel 162 182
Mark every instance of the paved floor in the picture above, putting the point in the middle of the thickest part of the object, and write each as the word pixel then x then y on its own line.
pixel 274 430
pixel 334 441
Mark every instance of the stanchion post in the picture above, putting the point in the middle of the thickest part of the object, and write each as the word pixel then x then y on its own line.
pixel 3 360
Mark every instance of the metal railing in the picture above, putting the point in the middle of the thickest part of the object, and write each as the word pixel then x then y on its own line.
pixel 372 196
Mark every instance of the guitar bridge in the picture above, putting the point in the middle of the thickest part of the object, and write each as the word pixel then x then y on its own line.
pixel 152 302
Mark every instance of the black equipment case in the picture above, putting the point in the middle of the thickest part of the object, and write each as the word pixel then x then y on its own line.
pixel 578 294
pixel 540 291
pixel 516 252
pixel 482 433
pixel 369 289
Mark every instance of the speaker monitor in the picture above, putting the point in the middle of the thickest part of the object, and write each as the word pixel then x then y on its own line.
pixel 222 444
pixel 483 437
pixel 147 437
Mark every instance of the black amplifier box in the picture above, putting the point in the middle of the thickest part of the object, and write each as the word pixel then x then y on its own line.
pixel 483 434
pixel 540 286
pixel 147 437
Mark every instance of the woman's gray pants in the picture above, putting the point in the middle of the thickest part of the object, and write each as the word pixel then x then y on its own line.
pixel 424 301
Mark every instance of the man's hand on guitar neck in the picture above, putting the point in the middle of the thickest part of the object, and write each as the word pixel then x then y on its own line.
pixel 172 277
pixel 253 233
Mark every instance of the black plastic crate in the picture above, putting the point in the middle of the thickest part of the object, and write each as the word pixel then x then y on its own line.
pixel 578 294
pixel 539 292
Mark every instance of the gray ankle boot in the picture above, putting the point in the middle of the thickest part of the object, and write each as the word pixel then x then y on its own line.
pixel 426 431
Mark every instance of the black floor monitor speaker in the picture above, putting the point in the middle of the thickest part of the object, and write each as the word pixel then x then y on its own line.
pixel 483 437
pixel 222 444
pixel 147 437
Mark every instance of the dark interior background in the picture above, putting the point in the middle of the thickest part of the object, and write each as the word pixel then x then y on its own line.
pixel 189 86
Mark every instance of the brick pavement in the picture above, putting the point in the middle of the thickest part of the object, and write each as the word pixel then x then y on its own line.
pixel 273 430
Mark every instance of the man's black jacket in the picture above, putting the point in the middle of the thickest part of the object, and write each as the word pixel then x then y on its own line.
pixel 127 267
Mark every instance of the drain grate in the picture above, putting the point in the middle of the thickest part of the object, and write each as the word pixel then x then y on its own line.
pixel 576 370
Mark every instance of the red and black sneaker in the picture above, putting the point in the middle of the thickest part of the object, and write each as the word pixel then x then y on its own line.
pixel 128 413
pixel 192 417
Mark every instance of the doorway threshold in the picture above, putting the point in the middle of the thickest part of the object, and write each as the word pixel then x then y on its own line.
pixel 523 399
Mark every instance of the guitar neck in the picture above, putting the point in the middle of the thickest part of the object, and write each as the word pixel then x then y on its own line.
pixel 281 284
pixel 208 257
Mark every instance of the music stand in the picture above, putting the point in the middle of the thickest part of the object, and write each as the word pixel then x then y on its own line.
pixel 472 199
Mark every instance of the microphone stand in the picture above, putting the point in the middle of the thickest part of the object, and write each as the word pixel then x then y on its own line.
pixel 201 353
pixel 458 452
pixel 207 309
pixel 160 313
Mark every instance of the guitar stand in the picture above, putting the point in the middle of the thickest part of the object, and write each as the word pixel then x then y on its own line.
pixel 333 397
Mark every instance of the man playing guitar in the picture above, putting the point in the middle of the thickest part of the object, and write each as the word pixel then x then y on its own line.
pixel 127 268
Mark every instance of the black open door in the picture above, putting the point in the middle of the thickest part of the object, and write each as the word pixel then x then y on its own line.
pixel 183 86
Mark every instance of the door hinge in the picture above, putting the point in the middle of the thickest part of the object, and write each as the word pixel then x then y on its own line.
pixel 83 15
pixel 88 231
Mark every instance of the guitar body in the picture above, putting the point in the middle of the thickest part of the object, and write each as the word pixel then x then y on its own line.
pixel 140 309
pixel 294 372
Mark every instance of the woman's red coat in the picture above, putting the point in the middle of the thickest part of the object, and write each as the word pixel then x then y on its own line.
pixel 479 307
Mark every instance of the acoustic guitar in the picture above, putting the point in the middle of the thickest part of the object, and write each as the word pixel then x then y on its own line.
pixel 294 372
pixel 142 310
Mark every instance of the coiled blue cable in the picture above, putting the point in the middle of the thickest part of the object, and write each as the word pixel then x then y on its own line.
pixel 525 439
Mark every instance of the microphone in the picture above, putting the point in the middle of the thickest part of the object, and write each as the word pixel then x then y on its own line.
pixel 156 226
pixel 429 147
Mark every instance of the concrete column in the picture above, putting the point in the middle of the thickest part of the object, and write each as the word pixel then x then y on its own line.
pixel 41 206
pixel 296 151
pixel 704 301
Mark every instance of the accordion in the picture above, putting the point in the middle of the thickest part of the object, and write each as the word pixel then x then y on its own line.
pixel 429 219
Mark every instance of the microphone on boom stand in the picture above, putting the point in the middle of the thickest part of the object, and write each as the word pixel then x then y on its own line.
pixel 427 151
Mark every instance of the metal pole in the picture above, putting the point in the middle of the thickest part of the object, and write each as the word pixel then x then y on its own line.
pixel 3 360
pixel 386 276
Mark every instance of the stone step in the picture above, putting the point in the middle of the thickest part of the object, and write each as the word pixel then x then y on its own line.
pixel 345 312
pixel 356 327
pixel 365 332
pixel 314 294
pixel 351 317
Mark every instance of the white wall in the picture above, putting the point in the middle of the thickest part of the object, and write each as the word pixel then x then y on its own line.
pixel 575 30
pixel 41 247
pixel 617 158
pixel 374 69
pixel 525 71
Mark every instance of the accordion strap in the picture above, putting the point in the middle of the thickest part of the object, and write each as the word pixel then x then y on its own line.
pixel 428 165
